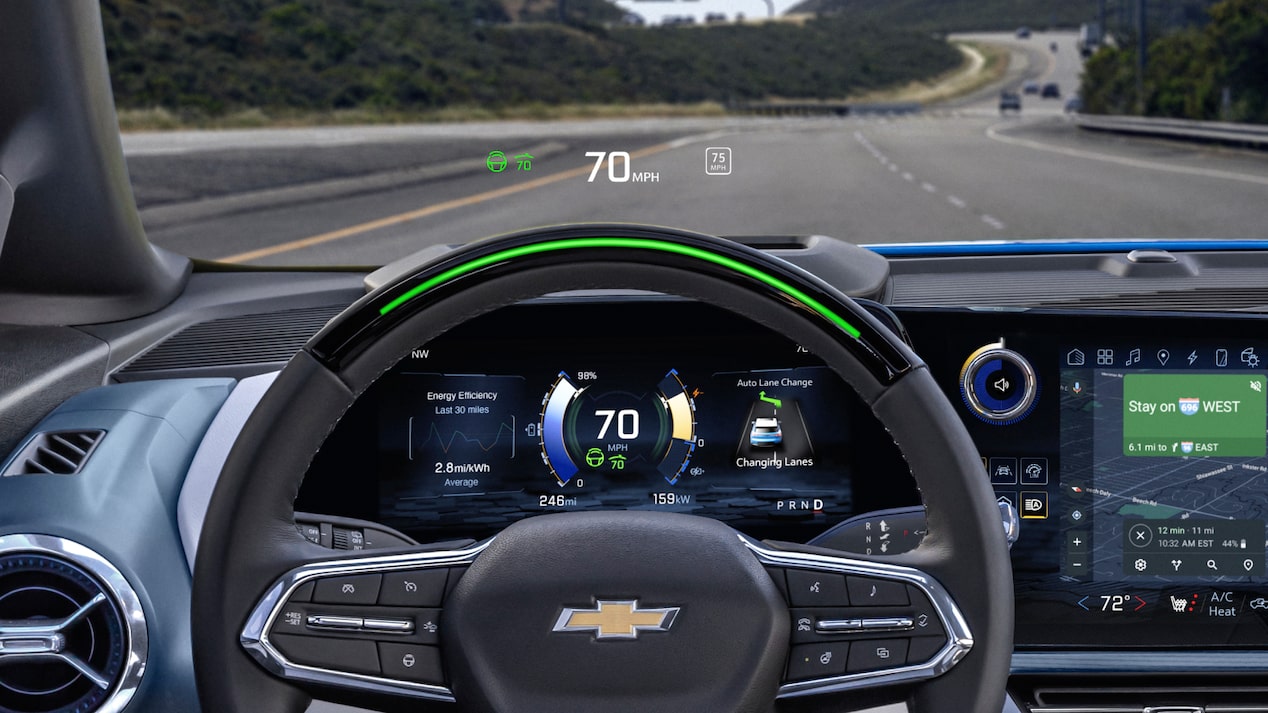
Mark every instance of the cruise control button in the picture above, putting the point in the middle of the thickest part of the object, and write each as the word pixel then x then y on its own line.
pixel 865 591
pixel 426 626
pixel 418 664
pixel 415 588
pixel 357 589
pixel 817 660
pixel 293 619
pixel 923 648
pixel 348 655
pixel 816 589
pixel 877 654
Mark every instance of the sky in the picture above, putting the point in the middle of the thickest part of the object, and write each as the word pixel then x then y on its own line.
pixel 654 10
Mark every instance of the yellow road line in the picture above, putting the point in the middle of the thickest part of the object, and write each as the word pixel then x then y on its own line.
pixel 430 210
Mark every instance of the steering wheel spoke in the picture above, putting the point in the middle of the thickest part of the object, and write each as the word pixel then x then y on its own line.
pixel 367 624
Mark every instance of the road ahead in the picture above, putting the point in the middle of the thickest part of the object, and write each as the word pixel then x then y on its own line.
pixel 956 172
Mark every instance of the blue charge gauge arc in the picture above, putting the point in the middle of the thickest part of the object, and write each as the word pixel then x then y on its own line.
pixel 617 428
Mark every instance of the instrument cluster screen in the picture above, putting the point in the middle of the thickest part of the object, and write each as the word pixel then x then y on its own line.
pixel 660 405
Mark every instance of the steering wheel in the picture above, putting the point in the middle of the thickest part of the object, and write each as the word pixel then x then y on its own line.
pixel 612 611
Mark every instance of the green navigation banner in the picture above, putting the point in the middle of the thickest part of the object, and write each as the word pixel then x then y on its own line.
pixel 1194 414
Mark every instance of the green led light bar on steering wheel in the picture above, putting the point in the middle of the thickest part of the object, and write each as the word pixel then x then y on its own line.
pixel 626 243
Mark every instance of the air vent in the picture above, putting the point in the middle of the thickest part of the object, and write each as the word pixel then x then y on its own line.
pixel 55 453
pixel 1216 695
pixel 244 340
pixel 72 634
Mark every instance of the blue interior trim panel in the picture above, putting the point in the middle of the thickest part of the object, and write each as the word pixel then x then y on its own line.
pixel 123 505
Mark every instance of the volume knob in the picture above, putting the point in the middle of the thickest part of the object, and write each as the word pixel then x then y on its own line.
pixel 998 385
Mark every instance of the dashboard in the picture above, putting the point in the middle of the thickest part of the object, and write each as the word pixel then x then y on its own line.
pixel 1132 448
pixel 1131 445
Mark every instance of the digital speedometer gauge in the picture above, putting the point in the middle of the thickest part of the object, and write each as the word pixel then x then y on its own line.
pixel 618 428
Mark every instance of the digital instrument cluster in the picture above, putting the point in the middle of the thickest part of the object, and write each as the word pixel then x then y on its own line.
pixel 627 405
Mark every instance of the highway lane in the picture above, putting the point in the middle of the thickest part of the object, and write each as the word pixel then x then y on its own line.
pixel 958 172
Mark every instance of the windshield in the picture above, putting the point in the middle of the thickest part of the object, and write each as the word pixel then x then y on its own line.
pixel 353 132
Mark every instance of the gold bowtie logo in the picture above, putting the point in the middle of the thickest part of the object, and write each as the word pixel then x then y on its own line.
pixel 616 620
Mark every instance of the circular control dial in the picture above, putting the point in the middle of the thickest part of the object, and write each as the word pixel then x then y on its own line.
pixel 998 385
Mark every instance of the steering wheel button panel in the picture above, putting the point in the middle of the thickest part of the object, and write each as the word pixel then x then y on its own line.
pixel 866 591
pixel 811 661
pixel 363 589
pixel 404 639
pixel 921 638
pixel 415 588
pixel 816 589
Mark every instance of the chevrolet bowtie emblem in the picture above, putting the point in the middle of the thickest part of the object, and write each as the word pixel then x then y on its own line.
pixel 616 620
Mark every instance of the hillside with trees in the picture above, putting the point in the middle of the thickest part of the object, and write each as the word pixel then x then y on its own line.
pixel 208 57
pixel 1215 72
pixel 958 15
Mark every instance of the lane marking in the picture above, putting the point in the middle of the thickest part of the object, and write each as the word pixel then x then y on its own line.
pixel 929 187
pixel 436 208
pixel 993 222
pixel 958 203
pixel 908 177
pixel 993 133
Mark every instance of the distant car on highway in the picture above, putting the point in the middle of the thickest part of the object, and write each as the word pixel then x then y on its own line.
pixel 1073 105
pixel 1030 87
pixel 765 433
pixel 1051 90
pixel 1023 32
pixel 1009 101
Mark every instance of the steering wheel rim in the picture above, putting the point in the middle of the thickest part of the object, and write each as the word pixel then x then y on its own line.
pixel 249 539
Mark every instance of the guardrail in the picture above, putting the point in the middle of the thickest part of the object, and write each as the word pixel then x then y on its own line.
pixel 823 108
pixel 1245 135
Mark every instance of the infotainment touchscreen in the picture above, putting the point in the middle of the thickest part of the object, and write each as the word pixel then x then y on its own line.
pixel 1161 497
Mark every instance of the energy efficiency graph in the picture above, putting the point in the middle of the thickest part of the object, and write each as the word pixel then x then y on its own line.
pixel 424 439
pixel 463 424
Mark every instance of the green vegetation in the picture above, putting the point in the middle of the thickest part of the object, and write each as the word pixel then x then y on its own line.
pixel 196 59
pixel 958 15
pixel 1188 72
